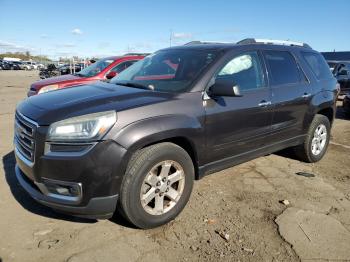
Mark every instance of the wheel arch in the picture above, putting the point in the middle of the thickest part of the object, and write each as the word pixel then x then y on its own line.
pixel 327 112
pixel 183 131
pixel 324 104
pixel 185 144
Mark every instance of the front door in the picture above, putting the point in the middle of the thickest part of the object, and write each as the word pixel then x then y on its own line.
pixel 237 125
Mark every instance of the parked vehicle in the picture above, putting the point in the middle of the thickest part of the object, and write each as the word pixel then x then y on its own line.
pixel 27 65
pixel 4 65
pixel 342 73
pixel 31 65
pixel 48 72
pixel 16 65
pixel 105 68
pixel 332 65
pixel 346 104
pixel 67 69
pixel 36 65
pixel 40 66
pixel 138 142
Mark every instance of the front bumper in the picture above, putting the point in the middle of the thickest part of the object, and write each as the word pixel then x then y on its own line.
pixel 96 208
pixel 98 173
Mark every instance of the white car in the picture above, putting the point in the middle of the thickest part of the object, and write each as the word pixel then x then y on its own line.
pixel 27 65
pixel 40 66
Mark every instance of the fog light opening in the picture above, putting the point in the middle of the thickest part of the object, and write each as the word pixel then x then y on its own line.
pixel 72 190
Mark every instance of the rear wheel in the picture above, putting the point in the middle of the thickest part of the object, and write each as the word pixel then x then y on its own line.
pixel 316 141
pixel 157 185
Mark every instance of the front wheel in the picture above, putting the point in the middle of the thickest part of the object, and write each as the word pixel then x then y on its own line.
pixel 157 185
pixel 316 141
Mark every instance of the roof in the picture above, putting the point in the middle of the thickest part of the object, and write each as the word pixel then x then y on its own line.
pixel 123 56
pixel 248 41
pixel 112 57
pixel 201 46
pixel 209 45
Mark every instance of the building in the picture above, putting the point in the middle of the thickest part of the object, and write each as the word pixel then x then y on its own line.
pixel 337 56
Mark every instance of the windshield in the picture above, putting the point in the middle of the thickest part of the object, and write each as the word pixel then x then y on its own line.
pixel 167 70
pixel 95 68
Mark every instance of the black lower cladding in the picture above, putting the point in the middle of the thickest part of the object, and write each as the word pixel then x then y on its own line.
pixel 99 171
pixel 97 208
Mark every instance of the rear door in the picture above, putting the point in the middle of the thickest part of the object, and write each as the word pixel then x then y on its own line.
pixel 291 94
pixel 237 125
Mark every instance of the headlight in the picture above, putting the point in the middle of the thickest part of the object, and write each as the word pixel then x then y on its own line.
pixel 48 88
pixel 82 128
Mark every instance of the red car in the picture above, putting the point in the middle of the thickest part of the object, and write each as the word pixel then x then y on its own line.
pixel 102 69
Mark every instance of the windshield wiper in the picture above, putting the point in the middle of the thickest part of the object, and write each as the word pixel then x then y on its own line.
pixel 135 85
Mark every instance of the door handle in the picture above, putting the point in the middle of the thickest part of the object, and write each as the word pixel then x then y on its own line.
pixel 306 95
pixel 264 103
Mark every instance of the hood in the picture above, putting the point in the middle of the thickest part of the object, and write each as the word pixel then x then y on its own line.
pixel 54 80
pixel 64 103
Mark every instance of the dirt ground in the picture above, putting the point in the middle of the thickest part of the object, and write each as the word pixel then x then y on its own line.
pixel 233 215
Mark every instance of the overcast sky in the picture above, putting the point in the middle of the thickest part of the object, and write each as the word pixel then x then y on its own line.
pixel 100 28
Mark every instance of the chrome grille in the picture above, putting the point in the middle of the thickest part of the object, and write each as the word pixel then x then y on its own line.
pixel 24 136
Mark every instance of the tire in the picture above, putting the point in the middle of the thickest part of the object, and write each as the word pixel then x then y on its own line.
pixel 305 151
pixel 134 187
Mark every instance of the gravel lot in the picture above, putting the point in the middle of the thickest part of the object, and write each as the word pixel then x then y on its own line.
pixel 233 215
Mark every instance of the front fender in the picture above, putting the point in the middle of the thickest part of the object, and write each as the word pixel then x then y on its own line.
pixel 151 130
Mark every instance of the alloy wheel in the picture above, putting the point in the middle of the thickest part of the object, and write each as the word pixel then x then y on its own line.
pixel 319 139
pixel 162 187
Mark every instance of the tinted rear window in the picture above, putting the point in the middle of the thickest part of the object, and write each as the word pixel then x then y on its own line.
pixel 318 65
pixel 283 68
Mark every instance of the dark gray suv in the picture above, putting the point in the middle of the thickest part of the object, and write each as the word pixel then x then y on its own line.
pixel 137 143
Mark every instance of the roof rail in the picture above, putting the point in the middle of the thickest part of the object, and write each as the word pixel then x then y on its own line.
pixel 206 42
pixel 272 42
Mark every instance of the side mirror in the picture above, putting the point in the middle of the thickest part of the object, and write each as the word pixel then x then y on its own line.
pixel 224 87
pixel 111 74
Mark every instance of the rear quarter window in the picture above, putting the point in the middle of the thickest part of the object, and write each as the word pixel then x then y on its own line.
pixel 317 64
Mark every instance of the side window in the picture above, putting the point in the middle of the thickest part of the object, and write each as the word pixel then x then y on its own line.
pixel 283 68
pixel 318 65
pixel 245 71
pixel 122 66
